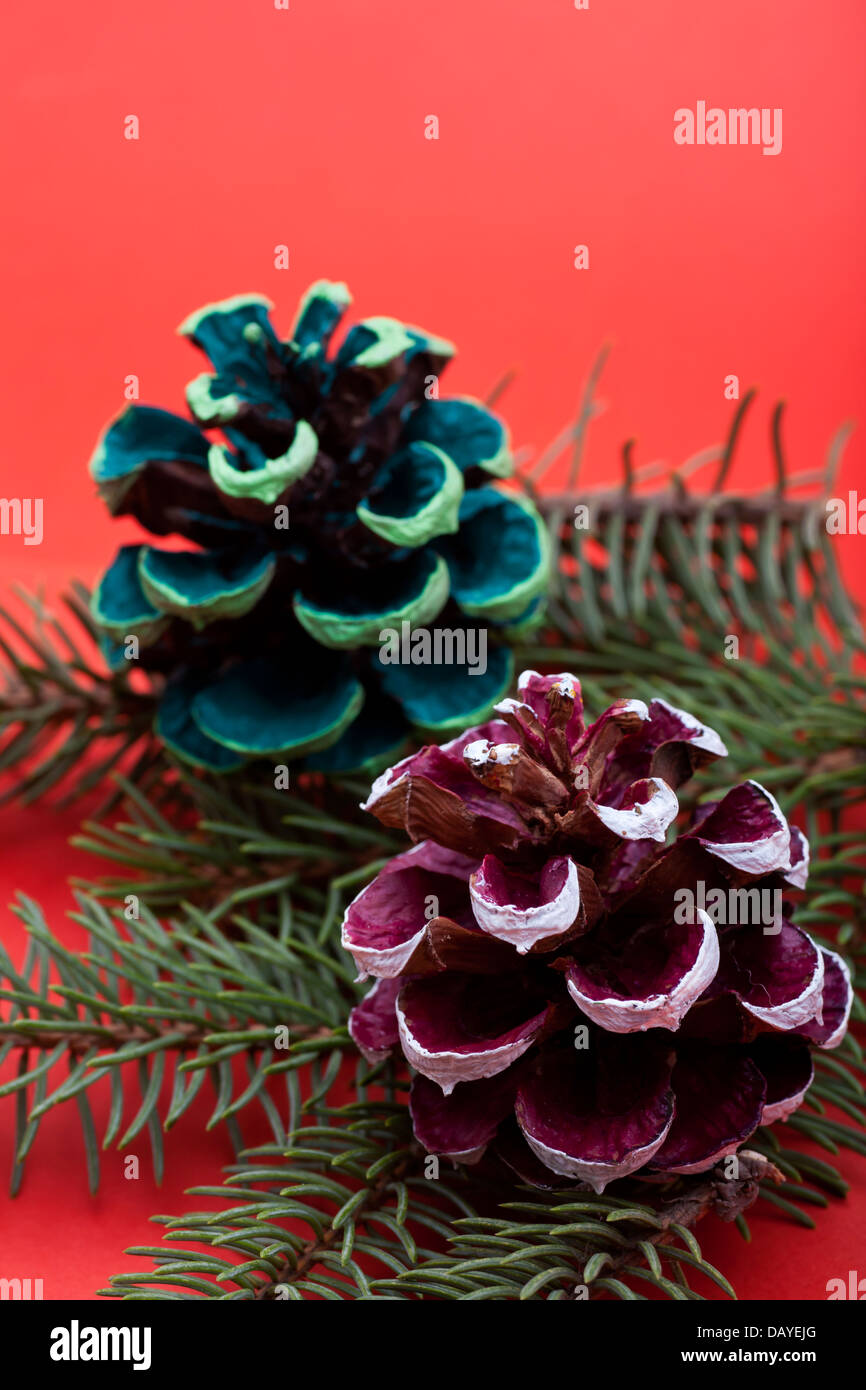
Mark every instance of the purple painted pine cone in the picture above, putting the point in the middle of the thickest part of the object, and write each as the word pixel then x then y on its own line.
pixel 552 950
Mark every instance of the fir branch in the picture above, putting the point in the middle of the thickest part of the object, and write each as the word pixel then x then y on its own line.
pixel 353 1170
pixel 349 1179
pixel 222 842
pixel 210 1003
pixel 58 704
pixel 730 605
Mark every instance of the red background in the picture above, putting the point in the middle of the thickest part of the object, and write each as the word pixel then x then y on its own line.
pixel 305 127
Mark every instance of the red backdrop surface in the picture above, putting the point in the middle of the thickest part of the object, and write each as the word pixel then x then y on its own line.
pixel 305 127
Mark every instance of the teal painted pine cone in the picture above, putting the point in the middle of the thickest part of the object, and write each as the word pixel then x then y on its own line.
pixel 340 517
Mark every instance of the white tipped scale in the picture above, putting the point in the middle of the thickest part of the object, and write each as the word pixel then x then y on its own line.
pixel 511 706
pixel 482 752
pixel 658 1010
pixel 704 737
pixel 703 1164
pixel 384 963
pixel 798 874
pixel 595 1173
pixel 839 1032
pixel 637 707
pixel 781 1109
pixel 387 962
pixel 770 854
pixel 566 682
pixel 522 928
pixel 793 1013
pixel 448 1068
pixel 387 781
pixel 648 820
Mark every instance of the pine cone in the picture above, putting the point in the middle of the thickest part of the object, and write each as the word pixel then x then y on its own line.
pixel 343 499
pixel 550 950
